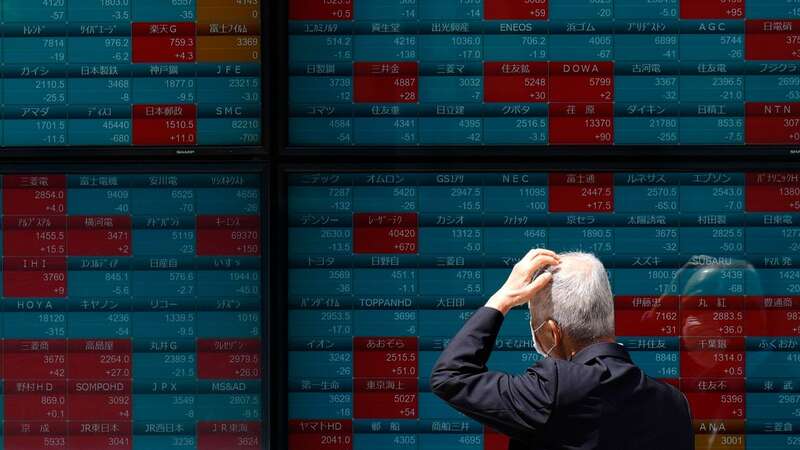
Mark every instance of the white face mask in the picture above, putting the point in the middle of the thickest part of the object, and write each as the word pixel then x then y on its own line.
pixel 536 345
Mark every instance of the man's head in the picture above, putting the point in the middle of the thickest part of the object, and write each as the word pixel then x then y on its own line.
pixel 576 309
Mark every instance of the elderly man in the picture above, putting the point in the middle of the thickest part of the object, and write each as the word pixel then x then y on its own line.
pixel 585 393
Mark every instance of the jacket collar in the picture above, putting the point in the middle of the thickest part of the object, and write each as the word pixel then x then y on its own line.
pixel 601 349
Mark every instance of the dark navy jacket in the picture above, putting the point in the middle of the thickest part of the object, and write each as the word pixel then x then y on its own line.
pixel 598 400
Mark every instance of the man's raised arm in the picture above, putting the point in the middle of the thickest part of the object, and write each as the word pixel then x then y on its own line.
pixel 517 405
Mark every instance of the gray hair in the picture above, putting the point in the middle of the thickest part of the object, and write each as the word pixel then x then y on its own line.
pixel 579 298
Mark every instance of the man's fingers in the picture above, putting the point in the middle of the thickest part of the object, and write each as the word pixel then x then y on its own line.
pixel 533 253
pixel 529 264
pixel 531 268
pixel 538 284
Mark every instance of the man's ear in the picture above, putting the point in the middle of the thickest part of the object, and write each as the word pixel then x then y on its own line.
pixel 551 324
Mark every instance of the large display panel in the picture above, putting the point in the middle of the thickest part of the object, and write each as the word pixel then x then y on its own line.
pixel 520 72
pixel 130 73
pixel 385 267
pixel 131 310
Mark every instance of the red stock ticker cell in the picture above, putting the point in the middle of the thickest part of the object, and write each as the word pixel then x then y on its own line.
pixel 581 192
pixel 99 235
pixel 713 9
pixel 320 10
pixel 168 124
pixel 581 123
pixel 716 405
pixel 385 357
pixel 712 363
pixel 772 40
pixel 34 277
pixel 50 434
pixel 34 195
pixel 385 233
pixel 99 359
pixel 715 398
pixel 229 359
pixel 25 359
pixel 31 400
pixel 515 9
pixel 110 435
pixel 772 192
pixel 721 316
pixel 772 123
pixel 99 400
pixel 772 316
pixel 163 42
pixel 712 356
pixel 228 435
pixel 385 398
pixel 581 81
pixel 386 82
pixel 228 235
pixel 646 316
pixel 510 82
pixel 35 235
pixel 320 434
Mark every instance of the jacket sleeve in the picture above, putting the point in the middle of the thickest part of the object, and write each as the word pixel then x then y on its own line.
pixel 517 405
pixel 690 441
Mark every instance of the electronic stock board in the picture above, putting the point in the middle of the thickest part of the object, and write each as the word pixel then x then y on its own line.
pixel 462 73
pixel 131 312
pixel 385 267
pixel 107 73
pixel 133 300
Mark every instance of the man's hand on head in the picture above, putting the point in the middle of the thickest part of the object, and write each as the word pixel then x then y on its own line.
pixel 521 285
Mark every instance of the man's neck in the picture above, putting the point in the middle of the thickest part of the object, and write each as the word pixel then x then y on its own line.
pixel 572 347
